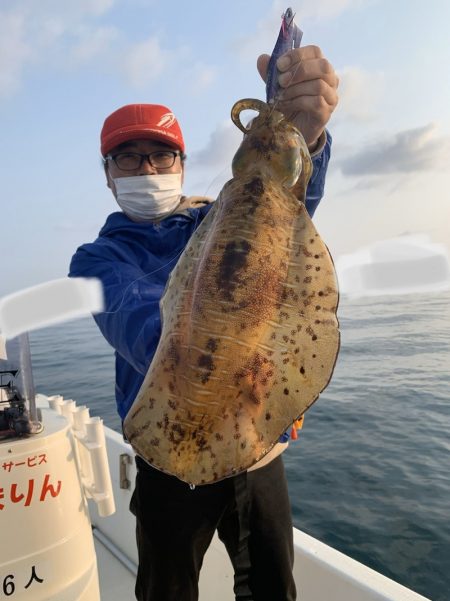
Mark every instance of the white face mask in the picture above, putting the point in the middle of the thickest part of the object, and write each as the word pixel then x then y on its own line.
pixel 148 197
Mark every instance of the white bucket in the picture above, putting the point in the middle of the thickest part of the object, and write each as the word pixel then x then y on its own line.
pixel 47 549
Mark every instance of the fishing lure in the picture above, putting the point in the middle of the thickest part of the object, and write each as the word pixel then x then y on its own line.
pixel 289 37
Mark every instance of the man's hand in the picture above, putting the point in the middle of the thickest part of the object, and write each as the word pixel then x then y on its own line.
pixel 309 90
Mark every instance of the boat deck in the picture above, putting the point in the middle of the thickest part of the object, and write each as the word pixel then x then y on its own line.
pixel 116 580
pixel 320 573
pixel 117 572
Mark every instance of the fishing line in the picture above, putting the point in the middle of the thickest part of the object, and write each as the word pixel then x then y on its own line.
pixel 172 259
pixel 278 98
pixel 273 105
pixel 216 178
pixel 146 275
pixel 169 261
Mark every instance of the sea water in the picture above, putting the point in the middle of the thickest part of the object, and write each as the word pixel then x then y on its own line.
pixel 370 472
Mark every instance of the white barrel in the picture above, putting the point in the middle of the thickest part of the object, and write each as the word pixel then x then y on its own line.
pixel 47 549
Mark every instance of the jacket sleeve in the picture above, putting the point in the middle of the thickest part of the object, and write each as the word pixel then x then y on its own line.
pixel 316 185
pixel 131 320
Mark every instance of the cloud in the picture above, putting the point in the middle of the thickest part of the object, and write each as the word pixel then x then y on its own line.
pixel 93 43
pixel 14 51
pixel 46 33
pixel 264 36
pixel 145 62
pixel 95 7
pixel 199 78
pixel 324 9
pixel 210 167
pixel 266 29
pixel 220 148
pixel 69 11
pixel 359 94
pixel 49 31
pixel 412 150
pixel 62 36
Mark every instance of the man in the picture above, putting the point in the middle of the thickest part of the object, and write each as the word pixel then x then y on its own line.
pixel 136 250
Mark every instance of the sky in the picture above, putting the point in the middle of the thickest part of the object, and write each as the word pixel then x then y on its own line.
pixel 64 66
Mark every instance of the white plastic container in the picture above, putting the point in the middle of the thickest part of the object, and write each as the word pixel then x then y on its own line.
pixel 47 550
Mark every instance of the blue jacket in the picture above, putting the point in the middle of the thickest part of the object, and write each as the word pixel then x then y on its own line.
pixel 133 261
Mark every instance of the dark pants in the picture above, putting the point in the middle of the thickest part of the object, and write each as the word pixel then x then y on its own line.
pixel 175 525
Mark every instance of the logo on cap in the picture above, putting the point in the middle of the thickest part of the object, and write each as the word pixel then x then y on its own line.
pixel 167 120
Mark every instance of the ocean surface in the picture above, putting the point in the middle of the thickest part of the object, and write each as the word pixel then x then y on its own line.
pixel 370 472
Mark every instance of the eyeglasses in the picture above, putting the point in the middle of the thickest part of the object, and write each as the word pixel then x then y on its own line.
pixel 130 161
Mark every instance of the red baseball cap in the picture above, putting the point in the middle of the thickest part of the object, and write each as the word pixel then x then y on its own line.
pixel 137 121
